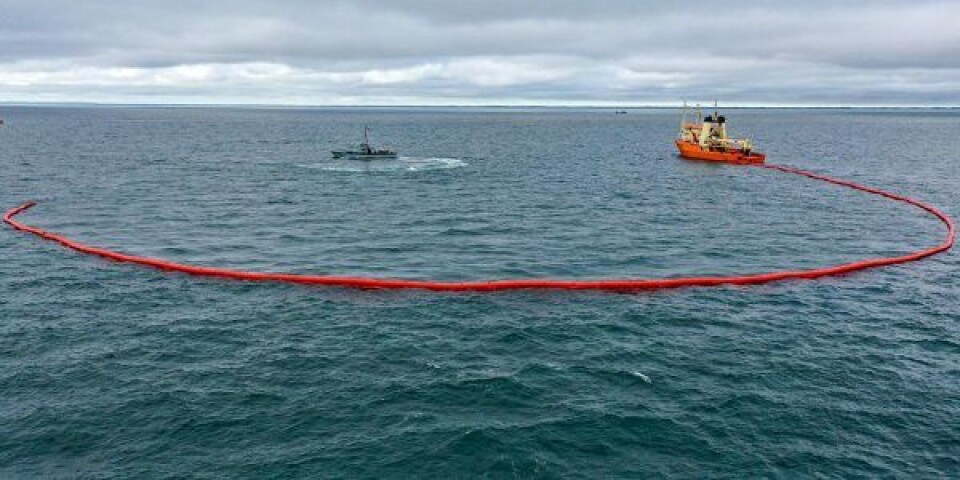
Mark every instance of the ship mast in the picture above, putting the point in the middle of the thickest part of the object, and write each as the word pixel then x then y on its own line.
pixel 683 118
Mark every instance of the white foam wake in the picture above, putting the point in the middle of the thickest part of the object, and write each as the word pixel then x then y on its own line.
pixel 401 164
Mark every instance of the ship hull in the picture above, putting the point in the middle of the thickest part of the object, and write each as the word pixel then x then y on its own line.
pixel 364 156
pixel 693 151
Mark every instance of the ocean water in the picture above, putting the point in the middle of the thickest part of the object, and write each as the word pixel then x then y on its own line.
pixel 117 371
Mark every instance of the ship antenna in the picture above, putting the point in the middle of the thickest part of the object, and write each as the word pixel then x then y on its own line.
pixel 683 118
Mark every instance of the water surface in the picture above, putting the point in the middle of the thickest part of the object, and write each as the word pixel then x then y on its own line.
pixel 113 370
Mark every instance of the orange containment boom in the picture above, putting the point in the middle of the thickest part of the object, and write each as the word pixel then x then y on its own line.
pixel 495 285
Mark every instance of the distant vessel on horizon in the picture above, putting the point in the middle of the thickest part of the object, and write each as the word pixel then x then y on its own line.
pixel 365 151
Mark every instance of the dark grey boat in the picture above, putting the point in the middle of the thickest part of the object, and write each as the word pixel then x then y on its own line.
pixel 365 151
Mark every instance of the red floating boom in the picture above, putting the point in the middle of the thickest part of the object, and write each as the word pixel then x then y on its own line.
pixel 493 285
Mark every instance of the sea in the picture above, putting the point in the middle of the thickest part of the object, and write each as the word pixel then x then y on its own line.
pixel 111 370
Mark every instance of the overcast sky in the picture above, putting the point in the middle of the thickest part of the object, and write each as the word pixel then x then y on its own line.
pixel 389 52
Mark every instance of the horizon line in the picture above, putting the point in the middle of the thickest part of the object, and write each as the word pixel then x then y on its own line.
pixel 468 105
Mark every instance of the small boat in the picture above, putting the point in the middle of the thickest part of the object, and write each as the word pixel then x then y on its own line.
pixel 706 139
pixel 364 151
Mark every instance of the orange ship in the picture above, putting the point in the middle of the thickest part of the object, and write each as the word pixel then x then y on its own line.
pixel 706 139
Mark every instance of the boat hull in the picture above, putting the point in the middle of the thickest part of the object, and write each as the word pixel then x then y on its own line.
pixel 363 156
pixel 693 151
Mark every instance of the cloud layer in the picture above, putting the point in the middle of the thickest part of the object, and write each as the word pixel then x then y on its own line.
pixel 617 52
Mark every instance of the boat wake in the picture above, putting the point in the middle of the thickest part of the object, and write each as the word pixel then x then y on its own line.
pixel 401 164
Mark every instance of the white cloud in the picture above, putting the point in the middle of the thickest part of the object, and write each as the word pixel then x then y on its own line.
pixel 46 75
pixel 401 75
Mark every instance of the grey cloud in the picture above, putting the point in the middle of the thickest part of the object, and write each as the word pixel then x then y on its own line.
pixel 617 50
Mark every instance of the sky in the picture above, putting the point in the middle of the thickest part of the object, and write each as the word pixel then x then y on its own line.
pixel 490 52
